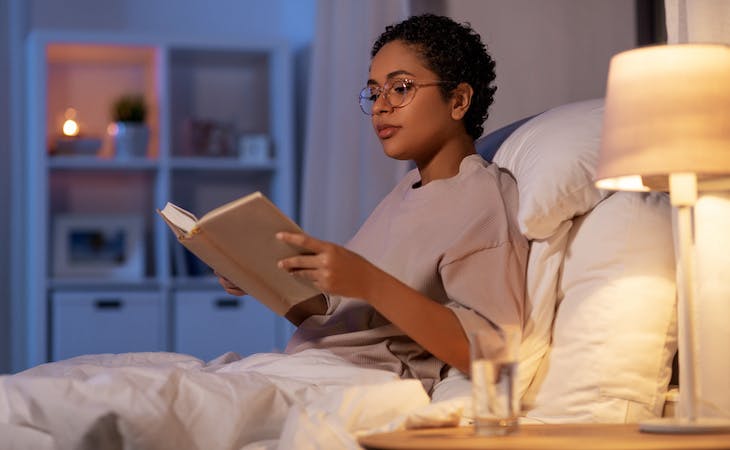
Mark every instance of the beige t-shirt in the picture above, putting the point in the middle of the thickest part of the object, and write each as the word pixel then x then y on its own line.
pixel 456 241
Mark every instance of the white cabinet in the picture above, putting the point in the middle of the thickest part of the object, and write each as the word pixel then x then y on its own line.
pixel 92 231
pixel 105 322
pixel 210 323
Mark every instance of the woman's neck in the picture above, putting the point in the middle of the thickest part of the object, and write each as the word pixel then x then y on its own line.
pixel 445 162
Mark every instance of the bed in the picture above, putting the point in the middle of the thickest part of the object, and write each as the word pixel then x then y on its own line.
pixel 600 336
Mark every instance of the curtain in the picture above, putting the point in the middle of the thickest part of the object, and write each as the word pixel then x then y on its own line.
pixel 708 21
pixel 345 172
pixel 697 21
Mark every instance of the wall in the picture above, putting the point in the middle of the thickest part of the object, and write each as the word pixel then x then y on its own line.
pixel 288 19
pixel 547 52
pixel 4 187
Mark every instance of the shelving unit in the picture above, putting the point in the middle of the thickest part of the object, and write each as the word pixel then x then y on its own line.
pixel 203 99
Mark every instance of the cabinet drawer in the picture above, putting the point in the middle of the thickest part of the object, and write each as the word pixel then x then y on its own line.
pixel 210 323
pixel 105 322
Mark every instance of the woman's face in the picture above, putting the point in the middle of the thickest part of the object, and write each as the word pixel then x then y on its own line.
pixel 419 129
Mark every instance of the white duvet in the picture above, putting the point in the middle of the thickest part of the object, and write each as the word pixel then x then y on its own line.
pixel 171 401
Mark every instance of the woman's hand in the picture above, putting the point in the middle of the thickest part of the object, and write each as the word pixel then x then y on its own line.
pixel 336 270
pixel 229 286
pixel 331 268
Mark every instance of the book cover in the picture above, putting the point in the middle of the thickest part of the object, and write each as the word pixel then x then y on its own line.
pixel 238 240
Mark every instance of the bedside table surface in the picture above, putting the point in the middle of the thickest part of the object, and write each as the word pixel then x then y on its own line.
pixel 546 437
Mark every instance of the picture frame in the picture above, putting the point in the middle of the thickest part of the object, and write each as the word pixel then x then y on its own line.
pixel 94 245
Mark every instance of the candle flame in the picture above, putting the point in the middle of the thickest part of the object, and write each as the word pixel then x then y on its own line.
pixel 70 128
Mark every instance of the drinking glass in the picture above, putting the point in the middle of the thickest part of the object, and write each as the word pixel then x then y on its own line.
pixel 495 404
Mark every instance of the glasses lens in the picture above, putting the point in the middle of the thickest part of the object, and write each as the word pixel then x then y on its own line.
pixel 367 97
pixel 400 93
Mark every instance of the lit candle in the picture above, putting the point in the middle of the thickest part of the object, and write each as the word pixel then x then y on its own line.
pixel 70 126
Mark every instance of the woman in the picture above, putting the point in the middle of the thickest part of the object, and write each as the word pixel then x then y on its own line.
pixel 441 256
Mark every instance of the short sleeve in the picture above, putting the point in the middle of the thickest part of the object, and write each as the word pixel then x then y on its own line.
pixel 486 289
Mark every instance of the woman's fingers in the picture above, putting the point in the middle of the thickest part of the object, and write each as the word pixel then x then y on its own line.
pixel 329 267
pixel 229 287
pixel 302 240
pixel 299 262
pixel 316 260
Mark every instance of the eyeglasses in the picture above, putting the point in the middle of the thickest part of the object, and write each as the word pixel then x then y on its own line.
pixel 396 93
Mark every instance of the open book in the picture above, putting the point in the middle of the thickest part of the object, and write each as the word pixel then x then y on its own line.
pixel 238 241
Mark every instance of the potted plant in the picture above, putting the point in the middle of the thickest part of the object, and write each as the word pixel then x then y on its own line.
pixel 131 134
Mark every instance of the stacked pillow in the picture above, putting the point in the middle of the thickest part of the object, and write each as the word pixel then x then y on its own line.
pixel 614 333
pixel 600 285
pixel 554 157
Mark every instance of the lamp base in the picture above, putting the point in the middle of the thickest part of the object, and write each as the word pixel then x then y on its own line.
pixel 685 426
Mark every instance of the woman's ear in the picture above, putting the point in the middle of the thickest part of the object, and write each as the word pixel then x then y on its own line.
pixel 461 100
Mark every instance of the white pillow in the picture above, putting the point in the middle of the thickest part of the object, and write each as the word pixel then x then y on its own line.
pixel 553 157
pixel 614 334
pixel 543 271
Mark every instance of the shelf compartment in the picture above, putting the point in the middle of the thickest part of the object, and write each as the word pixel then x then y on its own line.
pixel 96 198
pixel 218 96
pixel 108 190
pixel 89 78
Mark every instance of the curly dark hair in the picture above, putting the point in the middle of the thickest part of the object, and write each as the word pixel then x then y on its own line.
pixel 454 52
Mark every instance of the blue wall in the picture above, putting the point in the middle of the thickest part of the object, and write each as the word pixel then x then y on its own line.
pixel 4 188
pixel 289 19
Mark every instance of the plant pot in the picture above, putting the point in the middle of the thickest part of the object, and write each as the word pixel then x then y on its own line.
pixel 131 140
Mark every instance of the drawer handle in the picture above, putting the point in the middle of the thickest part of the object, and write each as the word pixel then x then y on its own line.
pixel 227 303
pixel 108 303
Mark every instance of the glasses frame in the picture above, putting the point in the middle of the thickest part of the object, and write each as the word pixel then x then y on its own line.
pixel 385 89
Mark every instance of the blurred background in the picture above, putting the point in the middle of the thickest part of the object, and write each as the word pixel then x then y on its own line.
pixel 239 95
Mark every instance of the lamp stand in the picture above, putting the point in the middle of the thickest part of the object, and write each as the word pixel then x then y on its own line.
pixel 683 194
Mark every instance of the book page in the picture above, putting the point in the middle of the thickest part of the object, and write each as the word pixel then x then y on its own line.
pixel 184 220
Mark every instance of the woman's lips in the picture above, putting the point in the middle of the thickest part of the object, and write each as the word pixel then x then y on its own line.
pixel 386 131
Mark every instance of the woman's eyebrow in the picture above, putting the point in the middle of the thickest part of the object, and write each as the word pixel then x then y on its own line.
pixel 392 75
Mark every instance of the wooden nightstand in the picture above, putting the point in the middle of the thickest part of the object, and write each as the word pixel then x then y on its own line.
pixel 547 437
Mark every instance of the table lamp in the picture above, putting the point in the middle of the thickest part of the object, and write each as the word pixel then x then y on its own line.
pixel 667 128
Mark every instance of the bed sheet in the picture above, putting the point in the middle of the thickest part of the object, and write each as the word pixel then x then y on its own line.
pixel 168 400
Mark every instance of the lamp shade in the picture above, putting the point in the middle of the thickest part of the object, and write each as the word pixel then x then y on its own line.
pixel 667 111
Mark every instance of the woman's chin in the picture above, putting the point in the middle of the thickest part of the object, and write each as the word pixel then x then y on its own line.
pixel 395 152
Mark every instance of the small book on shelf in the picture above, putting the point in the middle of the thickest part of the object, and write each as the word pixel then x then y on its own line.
pixel 238 240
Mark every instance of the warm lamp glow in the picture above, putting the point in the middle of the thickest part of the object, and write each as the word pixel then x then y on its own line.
pixel 627 183
pixel 667 111
pixel 70 125
pixel 70 128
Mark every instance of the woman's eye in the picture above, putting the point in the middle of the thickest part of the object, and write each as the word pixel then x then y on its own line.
pixel 400 89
